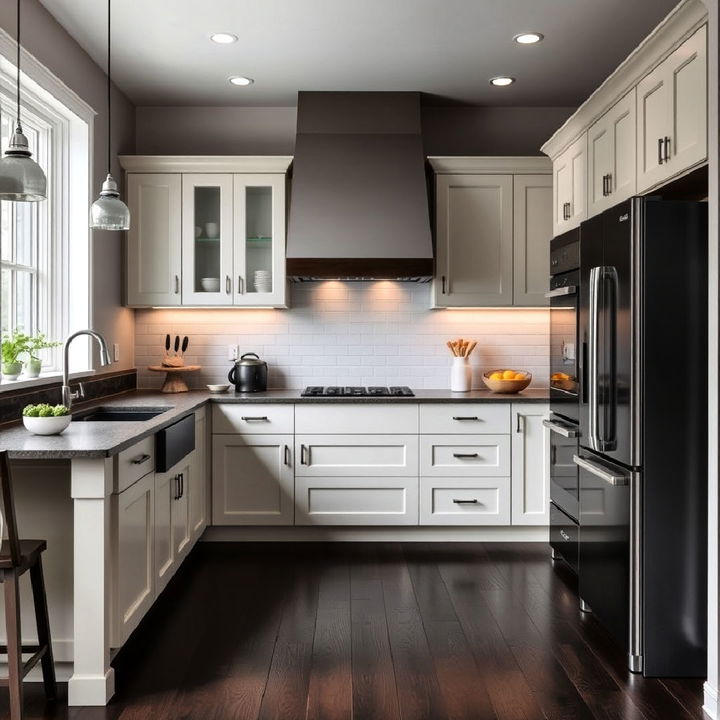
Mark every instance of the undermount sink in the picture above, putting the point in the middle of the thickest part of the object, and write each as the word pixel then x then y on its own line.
pixel 120 414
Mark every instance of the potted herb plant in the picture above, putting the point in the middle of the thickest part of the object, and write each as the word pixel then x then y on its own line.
pixel 13 346
pixel 36 343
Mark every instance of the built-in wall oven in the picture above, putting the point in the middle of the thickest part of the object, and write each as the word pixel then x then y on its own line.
pixel 564 396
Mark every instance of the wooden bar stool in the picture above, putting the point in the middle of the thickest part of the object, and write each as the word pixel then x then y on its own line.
pixel 17 556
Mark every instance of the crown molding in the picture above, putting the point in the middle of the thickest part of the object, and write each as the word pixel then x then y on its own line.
pixel 206 163
pixel 679 24
pixel 488 165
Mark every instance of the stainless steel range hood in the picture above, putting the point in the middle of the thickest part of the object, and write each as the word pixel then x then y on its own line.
pixel 359 201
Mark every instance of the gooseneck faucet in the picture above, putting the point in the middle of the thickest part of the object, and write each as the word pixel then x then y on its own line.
pixel 67 394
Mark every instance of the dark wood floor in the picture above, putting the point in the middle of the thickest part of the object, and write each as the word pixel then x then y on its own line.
pixel 375 632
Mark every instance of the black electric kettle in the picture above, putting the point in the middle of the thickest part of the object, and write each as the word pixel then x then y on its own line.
pixel 249 374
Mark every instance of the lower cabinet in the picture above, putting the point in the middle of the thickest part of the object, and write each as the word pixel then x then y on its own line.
pixel 530 465
pixel 253 480
pixel 133 512
pixel 465 501
pixel 197 494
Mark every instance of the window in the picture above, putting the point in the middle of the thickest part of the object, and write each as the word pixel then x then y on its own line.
pixel 44 247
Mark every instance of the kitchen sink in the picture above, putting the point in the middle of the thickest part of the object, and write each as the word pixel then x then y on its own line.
pixel 119 414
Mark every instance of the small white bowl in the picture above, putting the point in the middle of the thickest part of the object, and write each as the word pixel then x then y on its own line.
pixel 210 284
pixel 217 388
pixel 46 425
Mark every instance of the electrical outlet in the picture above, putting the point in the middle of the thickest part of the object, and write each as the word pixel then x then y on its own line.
pixel 116 352
pixel 233 352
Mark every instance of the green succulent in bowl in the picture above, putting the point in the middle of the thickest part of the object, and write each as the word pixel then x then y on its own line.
pixel 45 410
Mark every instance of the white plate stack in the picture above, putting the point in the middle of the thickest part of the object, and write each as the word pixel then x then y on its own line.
pixel 262 281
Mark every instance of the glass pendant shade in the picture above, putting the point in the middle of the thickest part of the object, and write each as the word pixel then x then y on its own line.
pixel 109 212
pixel 21 178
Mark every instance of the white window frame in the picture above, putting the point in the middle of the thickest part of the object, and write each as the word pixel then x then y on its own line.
pixel 66 302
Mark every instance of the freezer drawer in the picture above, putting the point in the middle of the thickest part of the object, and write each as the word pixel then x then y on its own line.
pixel 564 536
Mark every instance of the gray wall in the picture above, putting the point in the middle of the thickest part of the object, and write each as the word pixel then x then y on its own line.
pixel 54 48
pixel 271 131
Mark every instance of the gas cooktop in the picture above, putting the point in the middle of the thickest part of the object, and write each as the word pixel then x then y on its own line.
pixel 356 391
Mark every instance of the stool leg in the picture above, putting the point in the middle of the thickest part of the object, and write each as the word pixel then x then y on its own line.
pixel 43 628
pixel 14 643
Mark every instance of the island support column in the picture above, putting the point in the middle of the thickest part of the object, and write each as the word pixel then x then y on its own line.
pixel 93 680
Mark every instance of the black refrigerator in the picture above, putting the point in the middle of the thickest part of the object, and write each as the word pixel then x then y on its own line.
pixel 643 431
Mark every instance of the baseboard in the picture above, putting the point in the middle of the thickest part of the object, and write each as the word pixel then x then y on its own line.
pixel 710 703
pixel 375 534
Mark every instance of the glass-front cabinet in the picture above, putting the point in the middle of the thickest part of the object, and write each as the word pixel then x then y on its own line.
pixel 206 231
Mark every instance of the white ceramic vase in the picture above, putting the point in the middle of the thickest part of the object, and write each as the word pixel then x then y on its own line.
pixel 461 375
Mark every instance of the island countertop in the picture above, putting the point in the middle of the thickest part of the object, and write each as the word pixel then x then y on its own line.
pixel 104 439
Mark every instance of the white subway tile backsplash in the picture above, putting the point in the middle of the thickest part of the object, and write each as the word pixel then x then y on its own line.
pixel 348 334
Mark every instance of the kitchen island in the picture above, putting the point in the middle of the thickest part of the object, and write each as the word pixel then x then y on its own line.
pixel 68 487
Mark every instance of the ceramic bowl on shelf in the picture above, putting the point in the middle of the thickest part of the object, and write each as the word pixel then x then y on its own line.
pixel 210 284
pixel 506 384
pixel 217 388
pixel 46 425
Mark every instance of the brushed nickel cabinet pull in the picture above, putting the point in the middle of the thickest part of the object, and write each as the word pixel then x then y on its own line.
pixel 177 285
pixel 228 285
pixel 461 456
pixel 465 417
pixel 458 501
pixel 141 459
pixel 255 418
pixel 303 455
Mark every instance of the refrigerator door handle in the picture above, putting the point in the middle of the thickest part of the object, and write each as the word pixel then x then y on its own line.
pixel 567 431
pixel 559 292
pixel 609 476
pixel 593 350
pixel 609 438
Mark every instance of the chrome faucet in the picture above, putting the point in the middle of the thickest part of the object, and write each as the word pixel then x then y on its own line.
pixel 67 394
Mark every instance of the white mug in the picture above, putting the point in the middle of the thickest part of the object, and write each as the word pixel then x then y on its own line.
pixel 211 230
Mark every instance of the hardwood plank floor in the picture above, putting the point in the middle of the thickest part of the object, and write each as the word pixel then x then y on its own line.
pixel 413 631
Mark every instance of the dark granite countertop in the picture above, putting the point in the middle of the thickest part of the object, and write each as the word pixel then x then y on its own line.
pixel 104 439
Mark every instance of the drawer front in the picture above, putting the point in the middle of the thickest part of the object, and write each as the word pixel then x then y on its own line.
pixel 564 536
pixel 356 455
pixel 465 455
pixel 356 501
pixel 463 501
pixel 355 418
pixel 465 418
pixel 135 462
pixel 253 419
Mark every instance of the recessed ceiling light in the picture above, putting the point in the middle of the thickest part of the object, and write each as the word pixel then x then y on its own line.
pixel 223 38
pixel 240 80
pixel 502 81
pixel 528 38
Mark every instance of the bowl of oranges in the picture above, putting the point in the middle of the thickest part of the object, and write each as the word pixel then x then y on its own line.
pixel 506 381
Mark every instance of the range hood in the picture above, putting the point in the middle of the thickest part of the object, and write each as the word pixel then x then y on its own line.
pixel 359 201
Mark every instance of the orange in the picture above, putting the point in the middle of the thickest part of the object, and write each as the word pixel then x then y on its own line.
pixel 496 376
pixel 509 375
pixel 520 376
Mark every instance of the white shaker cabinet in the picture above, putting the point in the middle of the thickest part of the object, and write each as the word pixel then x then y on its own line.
pixel 253 481
pixel 197 494
pixel 570 187
pixel 611 167
pixel 134 587
pixel 154 240
pixel 474 240
pixel 672 114
pixel 532 232
pixel 530 464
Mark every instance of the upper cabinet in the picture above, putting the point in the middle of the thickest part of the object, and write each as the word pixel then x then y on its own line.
pixel 569 188
pixel 644 126
pixel 672 114
pixel 493 231
pixel 611 157
pixel 208 238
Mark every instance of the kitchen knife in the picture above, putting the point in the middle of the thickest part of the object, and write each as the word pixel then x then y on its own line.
pixel 184 344
pixel 177 343
pixel 167 344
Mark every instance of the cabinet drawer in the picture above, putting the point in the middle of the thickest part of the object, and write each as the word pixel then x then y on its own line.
pixel 465 455
pixel 356 501
pixel 463 501
pixel 133 463
pixel 564 536
pixel 465 418
pixel 255 419
pixel 379 419
pixel 356 455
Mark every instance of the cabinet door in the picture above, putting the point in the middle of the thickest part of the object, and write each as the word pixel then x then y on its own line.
pixel 154 265
pixel 570 187
pixel 474 240
pixel 530 465
pixel 181 508
pixel 612 169
pixel 165 491
pixel 253 482
pixel 197 489
pixel 532 233
pixel 207 257
pixel 259 248
pixel 134 590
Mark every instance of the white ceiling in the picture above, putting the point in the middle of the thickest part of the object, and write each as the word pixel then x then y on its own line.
pixel 447 48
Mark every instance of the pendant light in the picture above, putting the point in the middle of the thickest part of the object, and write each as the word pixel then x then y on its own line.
pixel 21 178
pixel 109 212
